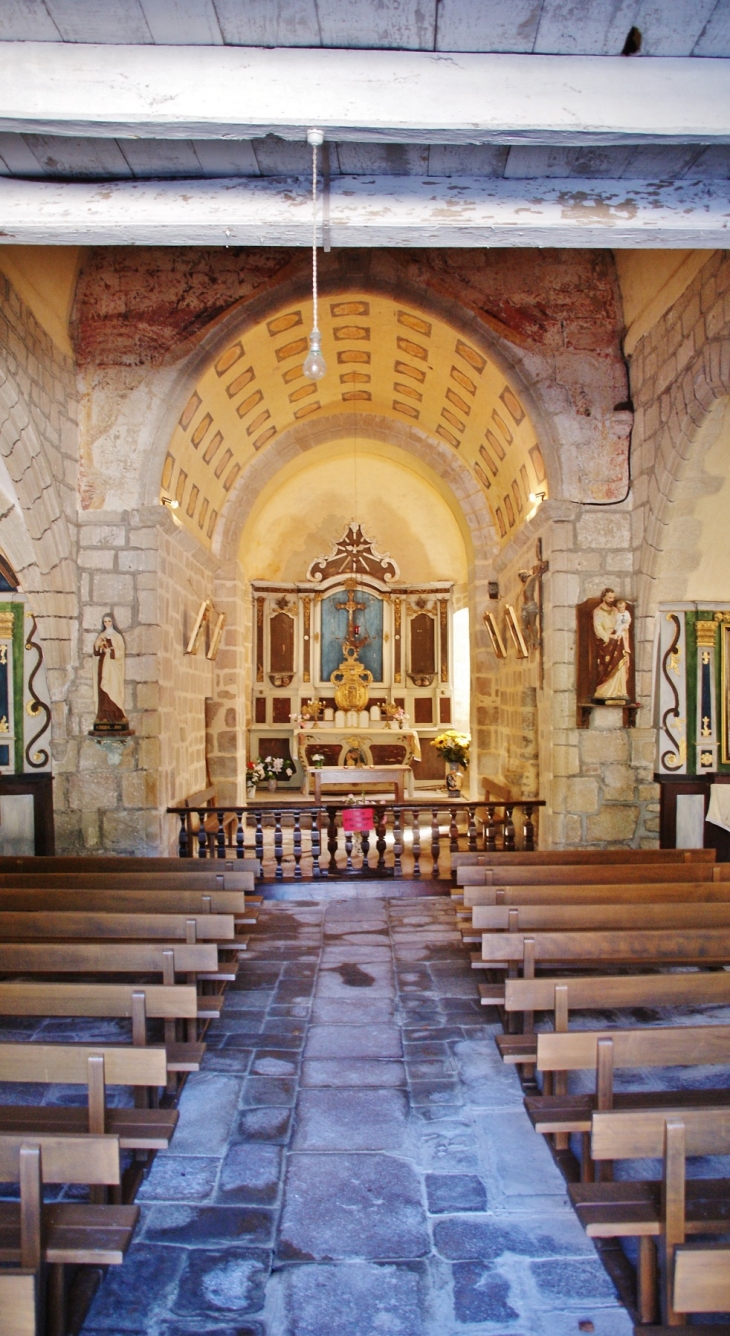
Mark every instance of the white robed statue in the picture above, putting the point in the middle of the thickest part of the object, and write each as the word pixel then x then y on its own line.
pixel 109 655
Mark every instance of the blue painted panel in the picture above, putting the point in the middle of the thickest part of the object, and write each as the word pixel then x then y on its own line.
pixel 334 630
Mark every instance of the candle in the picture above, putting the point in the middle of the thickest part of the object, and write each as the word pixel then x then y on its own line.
pixel 364 719
pixel 340 719
pixel 329 714
pixel 375 713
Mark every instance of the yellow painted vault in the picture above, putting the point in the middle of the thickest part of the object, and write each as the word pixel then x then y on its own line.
pixel 383 358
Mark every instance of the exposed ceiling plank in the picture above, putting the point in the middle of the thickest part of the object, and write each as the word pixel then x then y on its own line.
pixel 90 159
pixel 487 25
pixel 407 25
pixel 714 40
pixel 182 22
pixel 576 28
pixel 672 29
pixel 384 211
pixel 26 21
pixel 399 96
pixel 159 158
pixel 226 157
pixel 529 163
pixel 19 157
pixel 384 159
pixel 467 159
pixel 79 21
pixel 269 22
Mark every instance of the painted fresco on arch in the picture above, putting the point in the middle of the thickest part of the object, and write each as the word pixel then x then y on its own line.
pixel 369 618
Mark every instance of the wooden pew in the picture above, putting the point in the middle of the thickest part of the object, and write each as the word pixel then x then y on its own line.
pixel 122 902
pixel 591 917
pixel 691 946
pixel 702 1285
pixel 605 874
pixel 599 893
pixel 605 1051
pixel 138 1003
pixel 63 1233
pixel 137 958
pixel 94 1066
pixel 601 992
pixel 585 857
pixel 19 1302
pixel 43 925
pixel 120 863
pixel 204 880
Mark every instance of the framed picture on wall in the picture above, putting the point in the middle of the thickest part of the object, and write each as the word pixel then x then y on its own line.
pixel 200 620
pixel 515 630
pixel 494 636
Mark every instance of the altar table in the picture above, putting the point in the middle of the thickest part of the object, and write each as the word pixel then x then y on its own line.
pixel 352 777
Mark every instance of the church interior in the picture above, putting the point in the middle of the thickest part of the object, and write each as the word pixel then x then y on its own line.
pixel 364 668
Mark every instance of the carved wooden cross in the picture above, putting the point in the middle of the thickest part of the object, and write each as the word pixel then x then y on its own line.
pixel 352 607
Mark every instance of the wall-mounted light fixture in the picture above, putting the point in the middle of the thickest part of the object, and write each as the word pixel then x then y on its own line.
pixel 172 505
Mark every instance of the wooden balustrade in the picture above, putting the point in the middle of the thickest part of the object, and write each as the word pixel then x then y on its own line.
pixel 292 838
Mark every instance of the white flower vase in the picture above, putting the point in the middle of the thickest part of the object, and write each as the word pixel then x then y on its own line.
pixel 251 792
pixel 454 777
pixel 271 785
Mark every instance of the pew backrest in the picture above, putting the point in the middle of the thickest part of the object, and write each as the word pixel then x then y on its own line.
pixel 18 1301
pixel 545 918
pixel 122 902
pixel 658 1046
pixel 45 924
pixel 80 1158
pixel 161 1001
pixel 68 1064
pixel 587 875
pixel 204 880
pixel 640 1134
pixel 120 863
pixel 662 946
pixel 629 893
pixel 699 988
pixel 107 957
pixel 701 1279
pixel 585 857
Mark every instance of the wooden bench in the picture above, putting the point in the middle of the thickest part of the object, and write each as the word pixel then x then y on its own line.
pixel 19 1302
pixel 199 880
pixel 61 1234
pixel 605 1051
pixel 598 893
pixel 586 875
pixel 590 917
pixel 702 1285
pixel 138 959
pixel 94 1066
pixel 600 992
pixel 122 902
pixel 584 857
pixel 120 863
pixel 31 925
pixel 700 946
pixel 173 1004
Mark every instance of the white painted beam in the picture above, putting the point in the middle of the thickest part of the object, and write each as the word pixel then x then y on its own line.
pixel 369 211
pixel 401 96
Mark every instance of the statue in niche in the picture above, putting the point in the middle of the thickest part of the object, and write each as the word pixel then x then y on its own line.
pixel 611 627
pixel 109 657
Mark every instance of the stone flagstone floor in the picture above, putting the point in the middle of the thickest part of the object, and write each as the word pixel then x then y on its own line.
pixel 354 1159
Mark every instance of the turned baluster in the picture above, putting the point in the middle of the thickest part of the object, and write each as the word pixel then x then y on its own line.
pixel 509 827
pixel 490 830
pixel 397 843
pixel 472 831
pixel 454 831
pixel 297 845
pixel 435 842
pixel 332 840
pixel 182 839
pixel 416 843
pixel 316 842
pixel 278 846
pixel 220 835
pixel 259 838
pixel 365 846
pixel 529 829
pixel 348 850
pixel 239 832
pixel 202 833
pixel 380 832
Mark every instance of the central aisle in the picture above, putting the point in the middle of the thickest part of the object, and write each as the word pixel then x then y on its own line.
pixel 354 1159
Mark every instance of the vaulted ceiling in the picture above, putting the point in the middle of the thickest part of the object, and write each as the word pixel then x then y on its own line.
pixel 384 358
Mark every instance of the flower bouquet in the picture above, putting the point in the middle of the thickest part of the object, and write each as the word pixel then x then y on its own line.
pixel 454 747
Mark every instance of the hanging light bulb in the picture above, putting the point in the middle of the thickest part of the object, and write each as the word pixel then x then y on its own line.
pixel 314 364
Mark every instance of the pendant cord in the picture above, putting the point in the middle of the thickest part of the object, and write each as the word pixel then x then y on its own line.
pixel 315 304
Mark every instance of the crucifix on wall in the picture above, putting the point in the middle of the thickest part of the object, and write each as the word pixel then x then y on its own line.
pixel 352 606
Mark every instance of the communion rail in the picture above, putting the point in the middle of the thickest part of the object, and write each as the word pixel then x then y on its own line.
pixel 308 840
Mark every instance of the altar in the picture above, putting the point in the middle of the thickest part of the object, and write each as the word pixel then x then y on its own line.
pixel 351 641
